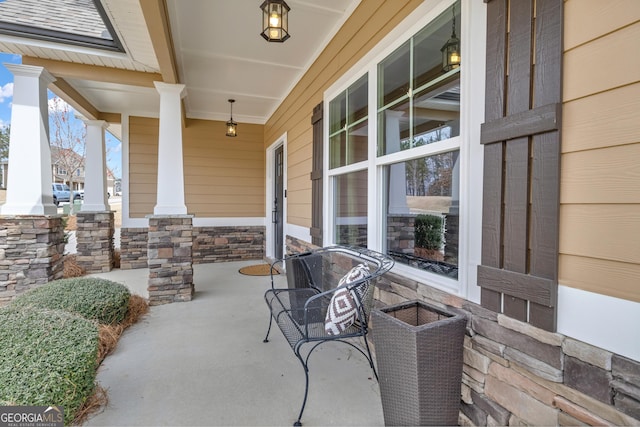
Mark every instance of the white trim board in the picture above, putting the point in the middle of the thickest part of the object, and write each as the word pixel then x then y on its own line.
pixel 297 231
pixel 602 321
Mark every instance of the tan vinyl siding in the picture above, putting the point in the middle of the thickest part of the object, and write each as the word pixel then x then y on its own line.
pixel 224 177
pixel 600 173
pixel 605 175
pixel 602 120
pixel 587 20
pixel 603 64
pixel 368 24
pixel 143 166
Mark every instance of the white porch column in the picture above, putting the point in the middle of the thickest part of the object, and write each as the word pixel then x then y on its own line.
pixel 95 175
pixel 29 183
pixel 170 193
pixel 397 172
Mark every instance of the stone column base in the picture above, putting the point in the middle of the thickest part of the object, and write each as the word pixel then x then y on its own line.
pixel 31 249
pixel 95 241
pixel 170 259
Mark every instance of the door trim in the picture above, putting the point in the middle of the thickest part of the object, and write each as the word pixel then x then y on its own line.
pixel 269 195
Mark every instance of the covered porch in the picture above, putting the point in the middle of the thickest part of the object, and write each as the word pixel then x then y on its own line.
pixel 204 363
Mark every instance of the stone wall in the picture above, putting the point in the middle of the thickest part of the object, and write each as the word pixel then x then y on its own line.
pixel 296 246
pixel 401 233
pixel 220 244
pixel 352 234
pixel 210 244
pixel 94 237
pixel 516 374
pixel 170 259
pixel 133 248
pixel 31 253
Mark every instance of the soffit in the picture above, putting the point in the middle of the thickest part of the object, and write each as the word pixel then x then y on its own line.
pixel 130 29
pixel 219 55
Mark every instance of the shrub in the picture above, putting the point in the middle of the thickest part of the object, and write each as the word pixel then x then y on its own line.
pixel 428 231
pixel 90 297
pixel 47 357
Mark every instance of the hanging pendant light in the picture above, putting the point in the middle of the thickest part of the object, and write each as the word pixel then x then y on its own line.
pixel 232 127
pixel 451 49
pixel 275 20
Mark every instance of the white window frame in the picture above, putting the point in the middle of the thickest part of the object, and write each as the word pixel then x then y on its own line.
pixel 472 77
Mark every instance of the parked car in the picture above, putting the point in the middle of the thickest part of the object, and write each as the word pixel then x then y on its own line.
pixel 62 193
pixel 81 193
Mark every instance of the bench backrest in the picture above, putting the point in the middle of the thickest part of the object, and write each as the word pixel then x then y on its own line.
pixel 323 268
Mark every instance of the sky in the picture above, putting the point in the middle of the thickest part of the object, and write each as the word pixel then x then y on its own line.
pixel 114 146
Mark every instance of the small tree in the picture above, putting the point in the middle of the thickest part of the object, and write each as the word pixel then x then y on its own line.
pixel 67 139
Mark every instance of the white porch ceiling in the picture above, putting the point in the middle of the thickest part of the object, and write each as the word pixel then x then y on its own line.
pixel 226 57
pixel 219 54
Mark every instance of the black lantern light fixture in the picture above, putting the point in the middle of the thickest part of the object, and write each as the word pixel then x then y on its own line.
pixel 275 20
pixel 232 127
pixel 451 49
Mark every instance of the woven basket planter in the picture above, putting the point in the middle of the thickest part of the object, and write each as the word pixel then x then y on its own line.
pixel 419 356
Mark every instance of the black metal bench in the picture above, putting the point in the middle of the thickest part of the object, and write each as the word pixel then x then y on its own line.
pixel 320 281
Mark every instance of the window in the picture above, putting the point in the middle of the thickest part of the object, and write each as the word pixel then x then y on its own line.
pixel 419 112
pixel 418 102
pixel 394 158
pixel 348 125
pixel 350 196
pixel 422 213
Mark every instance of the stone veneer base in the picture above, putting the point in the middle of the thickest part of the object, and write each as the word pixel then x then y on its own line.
pixel 94 235
pixel 170 259
pixel 31 253
pixel 517 374
pixel 210 244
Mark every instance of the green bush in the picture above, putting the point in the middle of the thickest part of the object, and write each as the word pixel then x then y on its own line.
pixel 428 231
pixel 90 297
pixel 47 357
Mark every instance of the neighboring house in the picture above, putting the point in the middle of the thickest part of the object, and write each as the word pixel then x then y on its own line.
pixel 63 159
pixel 59 171
pixel 527 154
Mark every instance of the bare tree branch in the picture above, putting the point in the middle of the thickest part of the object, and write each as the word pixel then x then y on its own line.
pixel 67 139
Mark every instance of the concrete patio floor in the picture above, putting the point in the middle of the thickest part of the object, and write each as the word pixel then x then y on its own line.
pixel 203 363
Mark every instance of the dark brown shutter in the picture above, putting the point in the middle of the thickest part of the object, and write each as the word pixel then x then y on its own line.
pixel 316 177
pixel 521 137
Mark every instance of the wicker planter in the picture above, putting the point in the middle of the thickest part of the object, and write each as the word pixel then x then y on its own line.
pixel 419 357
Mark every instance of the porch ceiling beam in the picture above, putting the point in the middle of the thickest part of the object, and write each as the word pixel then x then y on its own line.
pixel 69 70
pixel 71 96
pixel 434 114
pixel 157 20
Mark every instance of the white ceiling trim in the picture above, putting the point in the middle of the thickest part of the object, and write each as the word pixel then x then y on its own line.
pixel 286 72
pixel 236 94
pixel 314 6
pixel 205 115
pixel 209 55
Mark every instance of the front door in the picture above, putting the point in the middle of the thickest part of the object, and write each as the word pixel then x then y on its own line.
pixel 278 203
